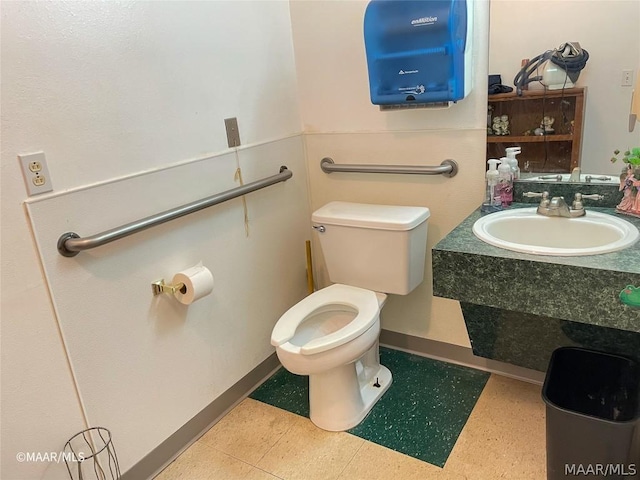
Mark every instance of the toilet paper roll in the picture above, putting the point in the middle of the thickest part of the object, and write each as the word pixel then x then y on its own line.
pixel 198 283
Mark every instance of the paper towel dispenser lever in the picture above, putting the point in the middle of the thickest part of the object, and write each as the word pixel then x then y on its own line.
pixel 418 51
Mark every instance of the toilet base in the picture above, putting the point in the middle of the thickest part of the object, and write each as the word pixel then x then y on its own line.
pixel 340 398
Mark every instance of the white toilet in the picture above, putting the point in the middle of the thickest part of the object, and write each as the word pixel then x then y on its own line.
pixel 332 335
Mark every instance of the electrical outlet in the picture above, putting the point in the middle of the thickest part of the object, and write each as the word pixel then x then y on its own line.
pixel 627 78
pixel 35 172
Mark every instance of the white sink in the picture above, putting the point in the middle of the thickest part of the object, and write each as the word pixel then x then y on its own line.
pixel 523 230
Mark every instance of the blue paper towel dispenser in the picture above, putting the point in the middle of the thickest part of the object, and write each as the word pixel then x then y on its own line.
pixel 418 52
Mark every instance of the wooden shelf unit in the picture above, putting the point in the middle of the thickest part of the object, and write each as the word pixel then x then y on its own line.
pixel 554 153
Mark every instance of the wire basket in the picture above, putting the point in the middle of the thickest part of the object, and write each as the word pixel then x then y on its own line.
pixel 90 454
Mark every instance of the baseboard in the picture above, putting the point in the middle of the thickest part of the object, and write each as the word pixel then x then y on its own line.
pixel 448 352
pixel 168 450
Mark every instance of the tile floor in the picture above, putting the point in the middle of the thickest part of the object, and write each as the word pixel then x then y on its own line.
pixel 504 438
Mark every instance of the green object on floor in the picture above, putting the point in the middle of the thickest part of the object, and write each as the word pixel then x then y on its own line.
pixel 421 414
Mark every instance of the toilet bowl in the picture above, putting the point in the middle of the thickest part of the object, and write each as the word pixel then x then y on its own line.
pixel 332 336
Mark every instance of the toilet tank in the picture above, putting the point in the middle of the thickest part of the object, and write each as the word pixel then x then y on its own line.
pixel 378 247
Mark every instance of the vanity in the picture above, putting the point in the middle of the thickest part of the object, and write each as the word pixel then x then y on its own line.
pixel 519 307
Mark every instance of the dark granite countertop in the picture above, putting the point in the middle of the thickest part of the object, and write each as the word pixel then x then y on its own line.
pixel 581 289
pixel 611 192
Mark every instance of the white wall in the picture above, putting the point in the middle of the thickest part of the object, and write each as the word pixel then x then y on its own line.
pixel 108 90
pixel 146 365
pixel 340 122
pixel 608 30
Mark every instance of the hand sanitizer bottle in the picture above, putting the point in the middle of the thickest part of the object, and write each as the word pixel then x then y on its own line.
pixel 505 182
pixel 513 161
pixel 492 201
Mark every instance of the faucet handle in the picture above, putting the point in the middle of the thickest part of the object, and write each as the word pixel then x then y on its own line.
pixel 591 196
pixel 577 200
pixel 536 194
pixel 544 195
pixel 603 178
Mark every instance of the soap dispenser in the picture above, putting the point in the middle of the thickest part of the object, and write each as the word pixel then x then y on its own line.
pixel 504 189
pixel 513 161
pixel 492 201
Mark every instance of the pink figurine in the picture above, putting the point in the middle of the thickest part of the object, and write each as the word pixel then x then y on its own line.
pixel 635 209
pixel 626 186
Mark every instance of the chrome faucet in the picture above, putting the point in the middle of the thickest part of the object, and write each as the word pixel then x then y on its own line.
pixel 557 207
pixel 575 175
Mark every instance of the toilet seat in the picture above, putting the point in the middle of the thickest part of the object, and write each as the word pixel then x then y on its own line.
pixel 365 302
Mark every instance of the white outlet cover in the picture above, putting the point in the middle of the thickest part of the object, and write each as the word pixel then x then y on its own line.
pixel 37 181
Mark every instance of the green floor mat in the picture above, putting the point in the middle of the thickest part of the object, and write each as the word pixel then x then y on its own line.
pixel 421 414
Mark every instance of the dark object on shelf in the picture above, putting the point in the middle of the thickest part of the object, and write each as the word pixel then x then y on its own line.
pixel 495 85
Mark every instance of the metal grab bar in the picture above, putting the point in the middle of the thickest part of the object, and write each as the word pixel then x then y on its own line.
pixel 70 243
pixel 448 168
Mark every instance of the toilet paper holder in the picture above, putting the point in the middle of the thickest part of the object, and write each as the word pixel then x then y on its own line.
pixel 160 287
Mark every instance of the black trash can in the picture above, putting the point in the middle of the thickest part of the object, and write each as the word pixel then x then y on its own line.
pixel 593 411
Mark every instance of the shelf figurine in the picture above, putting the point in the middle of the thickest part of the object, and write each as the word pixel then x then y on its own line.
pixel 546 126
pixel 501 125
pixel 505 125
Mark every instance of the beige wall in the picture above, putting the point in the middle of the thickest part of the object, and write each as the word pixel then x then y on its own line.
pixel 340 122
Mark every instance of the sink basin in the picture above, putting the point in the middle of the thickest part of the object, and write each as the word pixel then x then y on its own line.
pixel 523 230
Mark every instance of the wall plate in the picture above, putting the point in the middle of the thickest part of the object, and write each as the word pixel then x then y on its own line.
pixel 35 172
pixel 233 132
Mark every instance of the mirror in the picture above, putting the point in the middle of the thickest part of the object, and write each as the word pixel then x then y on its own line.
pixel 608 30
